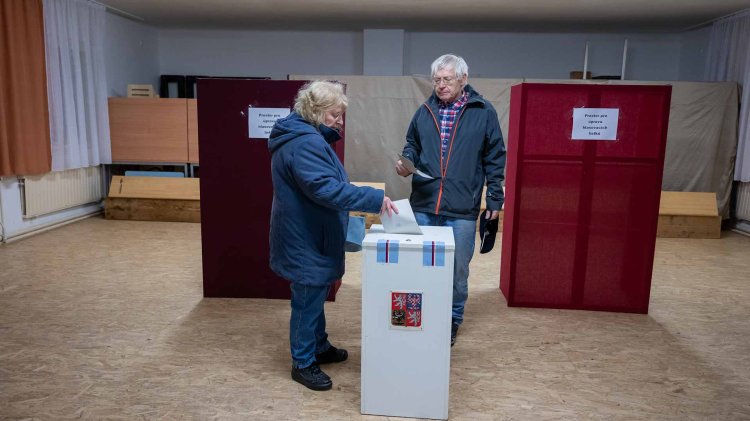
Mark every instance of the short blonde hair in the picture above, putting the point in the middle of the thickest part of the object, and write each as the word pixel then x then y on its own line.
pixel 317 97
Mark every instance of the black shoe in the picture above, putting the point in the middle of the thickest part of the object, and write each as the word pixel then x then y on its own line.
pixel 454 333
pixel 312 377
pixel 332 355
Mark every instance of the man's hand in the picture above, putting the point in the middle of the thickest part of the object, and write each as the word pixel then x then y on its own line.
pixel 492 214
pixel 388 206
pixel 401 170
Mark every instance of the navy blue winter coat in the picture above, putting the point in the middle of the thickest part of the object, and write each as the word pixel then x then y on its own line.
pixel 476 154
pixel 311 200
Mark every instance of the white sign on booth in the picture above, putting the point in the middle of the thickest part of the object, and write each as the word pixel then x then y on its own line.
pixel 261 120
pixel 595 123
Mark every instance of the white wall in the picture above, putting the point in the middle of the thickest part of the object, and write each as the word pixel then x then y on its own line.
pixel 259 53
pixel 11 212
pixel 132 55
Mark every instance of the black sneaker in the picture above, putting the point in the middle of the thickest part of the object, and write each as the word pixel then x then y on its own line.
pixel 312 377
pixel 332 355
pixel 454 333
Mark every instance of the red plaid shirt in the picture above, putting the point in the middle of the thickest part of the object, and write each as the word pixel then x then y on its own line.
pixel 448 115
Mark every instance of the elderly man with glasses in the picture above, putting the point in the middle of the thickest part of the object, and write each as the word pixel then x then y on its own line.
pixel 455 138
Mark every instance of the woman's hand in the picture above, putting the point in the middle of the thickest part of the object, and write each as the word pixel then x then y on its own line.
pixel 388 206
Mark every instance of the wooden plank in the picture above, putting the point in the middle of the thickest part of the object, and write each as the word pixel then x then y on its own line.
pixel 152 209
pixel 148 129
pixel 500 221
pixel 192 121
pixel 688 215
pixel 155 188
pixel 674 226
pixel 688 203
pixel 379 186
pixel 370 218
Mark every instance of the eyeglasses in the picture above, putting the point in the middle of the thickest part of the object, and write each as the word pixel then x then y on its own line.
pixel 446 80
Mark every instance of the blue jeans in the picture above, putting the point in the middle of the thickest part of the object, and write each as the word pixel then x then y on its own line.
pixel 307 326
pixel 464 233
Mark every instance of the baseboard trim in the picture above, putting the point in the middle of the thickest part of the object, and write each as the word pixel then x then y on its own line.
pixel 46 227
pixel 742 227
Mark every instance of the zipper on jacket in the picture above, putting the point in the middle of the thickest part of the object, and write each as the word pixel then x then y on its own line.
pixel 444 171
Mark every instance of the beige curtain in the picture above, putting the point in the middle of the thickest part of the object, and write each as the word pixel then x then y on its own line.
pixel 701 142
pixel 24 116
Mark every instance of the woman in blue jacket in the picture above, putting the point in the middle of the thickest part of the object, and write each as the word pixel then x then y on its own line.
pixel 311 200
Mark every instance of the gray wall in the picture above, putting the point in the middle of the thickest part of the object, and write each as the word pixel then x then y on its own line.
pixel 693 53
pixel 132 55
pixel 259 53
pixel 383 52
pixel 137 53
pixel 548 56
pixel 659 57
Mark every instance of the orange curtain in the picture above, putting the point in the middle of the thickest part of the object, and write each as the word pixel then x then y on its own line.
pixel 24 116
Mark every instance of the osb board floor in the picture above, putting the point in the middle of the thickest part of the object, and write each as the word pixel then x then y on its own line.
pixel 105 319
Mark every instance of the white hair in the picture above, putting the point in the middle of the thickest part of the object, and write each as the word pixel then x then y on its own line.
pixel 451 61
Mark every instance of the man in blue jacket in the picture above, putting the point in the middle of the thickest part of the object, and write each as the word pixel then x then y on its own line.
pixel 455 138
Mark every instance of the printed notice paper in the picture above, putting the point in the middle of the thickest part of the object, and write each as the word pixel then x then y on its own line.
pixel 402 222
pixel 595 123
pixel 261 120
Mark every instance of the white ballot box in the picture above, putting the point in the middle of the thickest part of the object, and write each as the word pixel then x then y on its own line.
pixel 407 294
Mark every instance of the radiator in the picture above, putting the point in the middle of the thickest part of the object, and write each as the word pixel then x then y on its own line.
pixel 743 201
pixel 60 190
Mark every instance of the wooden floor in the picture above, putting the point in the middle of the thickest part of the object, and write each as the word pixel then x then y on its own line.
pixel 105 319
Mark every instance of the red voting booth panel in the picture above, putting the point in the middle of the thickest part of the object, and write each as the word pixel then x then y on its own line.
pixel 580 215
pixel 236 188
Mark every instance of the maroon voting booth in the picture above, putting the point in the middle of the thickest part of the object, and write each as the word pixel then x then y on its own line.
pixel 583 186
pixel 235 185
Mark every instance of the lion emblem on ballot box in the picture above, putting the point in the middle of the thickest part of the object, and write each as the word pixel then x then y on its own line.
pixel 406 309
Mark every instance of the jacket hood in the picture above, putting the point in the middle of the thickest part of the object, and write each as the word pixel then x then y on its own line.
pixel 287 129
pixel 293 126
pixel 433 100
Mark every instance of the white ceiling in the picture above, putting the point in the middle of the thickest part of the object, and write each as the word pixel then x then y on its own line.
pixel 433 15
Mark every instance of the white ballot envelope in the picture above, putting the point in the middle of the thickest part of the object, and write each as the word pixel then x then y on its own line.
pixel 402 222
pixel 406 162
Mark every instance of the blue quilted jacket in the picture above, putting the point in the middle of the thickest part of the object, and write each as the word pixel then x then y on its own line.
pixel 311 200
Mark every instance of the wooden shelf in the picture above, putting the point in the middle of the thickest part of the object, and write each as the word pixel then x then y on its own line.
pixel 192 121
pixel 150 130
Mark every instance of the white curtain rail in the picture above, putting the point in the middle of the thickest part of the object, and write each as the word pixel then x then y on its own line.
pixel 119 12
pixel 738 14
